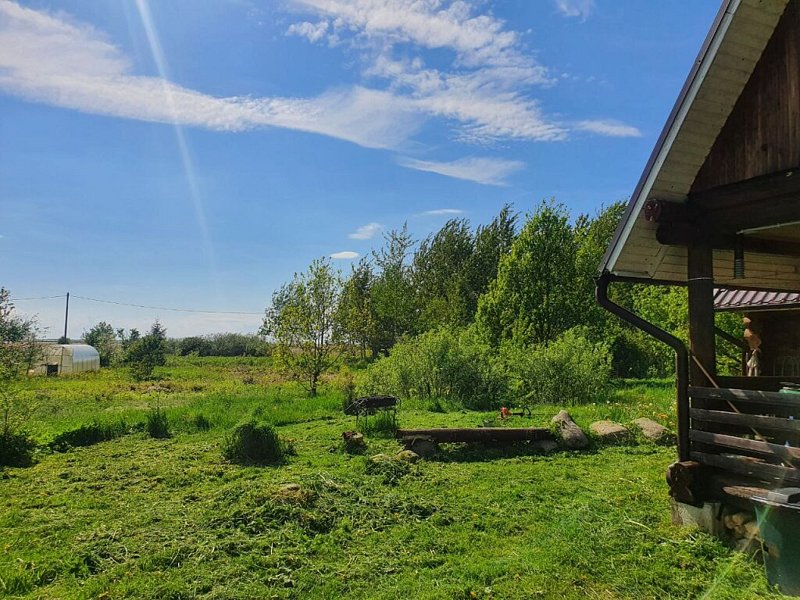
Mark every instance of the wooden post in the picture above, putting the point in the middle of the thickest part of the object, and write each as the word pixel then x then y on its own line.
pixel 700 270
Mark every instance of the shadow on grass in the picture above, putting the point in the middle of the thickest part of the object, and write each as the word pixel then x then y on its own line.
pixel 483 452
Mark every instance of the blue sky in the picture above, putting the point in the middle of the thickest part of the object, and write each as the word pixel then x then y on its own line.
pixel 197 153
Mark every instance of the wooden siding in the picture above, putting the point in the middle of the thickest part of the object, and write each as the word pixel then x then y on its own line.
pixel 762 133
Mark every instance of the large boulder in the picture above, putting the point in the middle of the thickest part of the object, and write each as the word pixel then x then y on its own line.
pixel 609 431
pixel 653 431
pixel 571 435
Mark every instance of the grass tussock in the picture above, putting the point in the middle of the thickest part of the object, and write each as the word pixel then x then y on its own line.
pixel 255 444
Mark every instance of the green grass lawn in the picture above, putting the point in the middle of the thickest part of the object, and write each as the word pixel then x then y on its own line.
pixel 139 517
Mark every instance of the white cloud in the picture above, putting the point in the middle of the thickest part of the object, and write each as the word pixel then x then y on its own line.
pixel 487 171
pixel 366 232
pixel 344 255
pixel 483 91
pixel 441 212
pixel 575 8
pixel 313 32
pixel 609 128
pixel 48 59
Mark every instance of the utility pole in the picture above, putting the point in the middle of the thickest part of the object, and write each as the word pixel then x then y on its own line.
pixel 66 319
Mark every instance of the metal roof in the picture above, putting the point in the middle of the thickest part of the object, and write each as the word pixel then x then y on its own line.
pixel 727 299
pixel 727 59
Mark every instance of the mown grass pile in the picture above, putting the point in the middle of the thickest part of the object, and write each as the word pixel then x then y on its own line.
pixel 173 518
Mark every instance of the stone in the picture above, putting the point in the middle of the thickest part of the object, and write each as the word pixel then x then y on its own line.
pixel 422 446
pixel 378 458
pixel 571 435
pixel 407 456
pixel 653 431
pixel 545 446
pixel 609 431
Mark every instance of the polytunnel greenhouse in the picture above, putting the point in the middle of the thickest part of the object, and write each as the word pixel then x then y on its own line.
pixel 66 359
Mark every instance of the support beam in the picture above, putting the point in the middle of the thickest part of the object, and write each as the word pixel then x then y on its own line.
pixel 702 342
pixel 685 234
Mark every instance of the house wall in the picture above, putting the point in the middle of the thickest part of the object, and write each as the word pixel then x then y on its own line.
pixel 762 133
pixel 780 335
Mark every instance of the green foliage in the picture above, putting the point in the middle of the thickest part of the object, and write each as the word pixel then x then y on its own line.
pixel 146 353
pixel 533 298
pixel 355 318
pixel 223 344
pixel 16 449
pixel 19 352
pixel 302 322
pixel 447 364
pixel 392 293
pixel 254 443
pixel 103 337
pixel 157 423
pixel 382 423
pixel 569 370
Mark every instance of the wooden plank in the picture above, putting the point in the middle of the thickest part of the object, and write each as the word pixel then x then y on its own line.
pixel 741 465
pixel 784 453
pixel 702 341
pixel 751 396
pixel 478 434
pixel 757 422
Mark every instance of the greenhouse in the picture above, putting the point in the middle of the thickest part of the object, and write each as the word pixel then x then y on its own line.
pixel 66 359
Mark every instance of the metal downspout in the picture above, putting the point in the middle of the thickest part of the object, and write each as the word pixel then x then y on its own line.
pixel 681 357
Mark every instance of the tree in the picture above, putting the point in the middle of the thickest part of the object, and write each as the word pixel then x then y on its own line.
pixel 492 242
pixel 392 292
pixel 301 320
pixel 354 317
pixel 439 276
pixel 104 338
pixel 18 353
pixel 146 353
pixel 532 299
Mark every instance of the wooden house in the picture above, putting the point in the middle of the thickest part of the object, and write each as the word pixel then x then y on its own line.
pixel 718 206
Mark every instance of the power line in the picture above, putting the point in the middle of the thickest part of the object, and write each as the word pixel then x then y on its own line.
pixel 39 298
pixel 188 310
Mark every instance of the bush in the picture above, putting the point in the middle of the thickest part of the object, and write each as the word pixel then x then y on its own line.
pixel 447 364
pixel 224 344
pixel 16 449
pixel 251 443
pixel 88 435
pixel 569 370
pixel 146 353
pixel 157 424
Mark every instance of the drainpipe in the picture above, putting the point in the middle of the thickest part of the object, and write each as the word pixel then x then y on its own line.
pixel 681 357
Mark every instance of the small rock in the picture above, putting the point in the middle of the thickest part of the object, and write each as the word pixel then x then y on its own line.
pixel 609 431
pixel 422 446
pixel 545 445
pixel 378 458
pixel 572 435
pixel 653 431
pixel 407 456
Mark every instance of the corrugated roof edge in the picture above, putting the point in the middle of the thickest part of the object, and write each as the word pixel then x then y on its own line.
pixel 630 209
pixel 739 299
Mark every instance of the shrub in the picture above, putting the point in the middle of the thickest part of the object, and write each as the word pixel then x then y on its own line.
pixel 569 370
pixel 253 443
pixel 147 353
pixel 157 424
pixel 88 435
pixel 448 364
pixel 16 449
